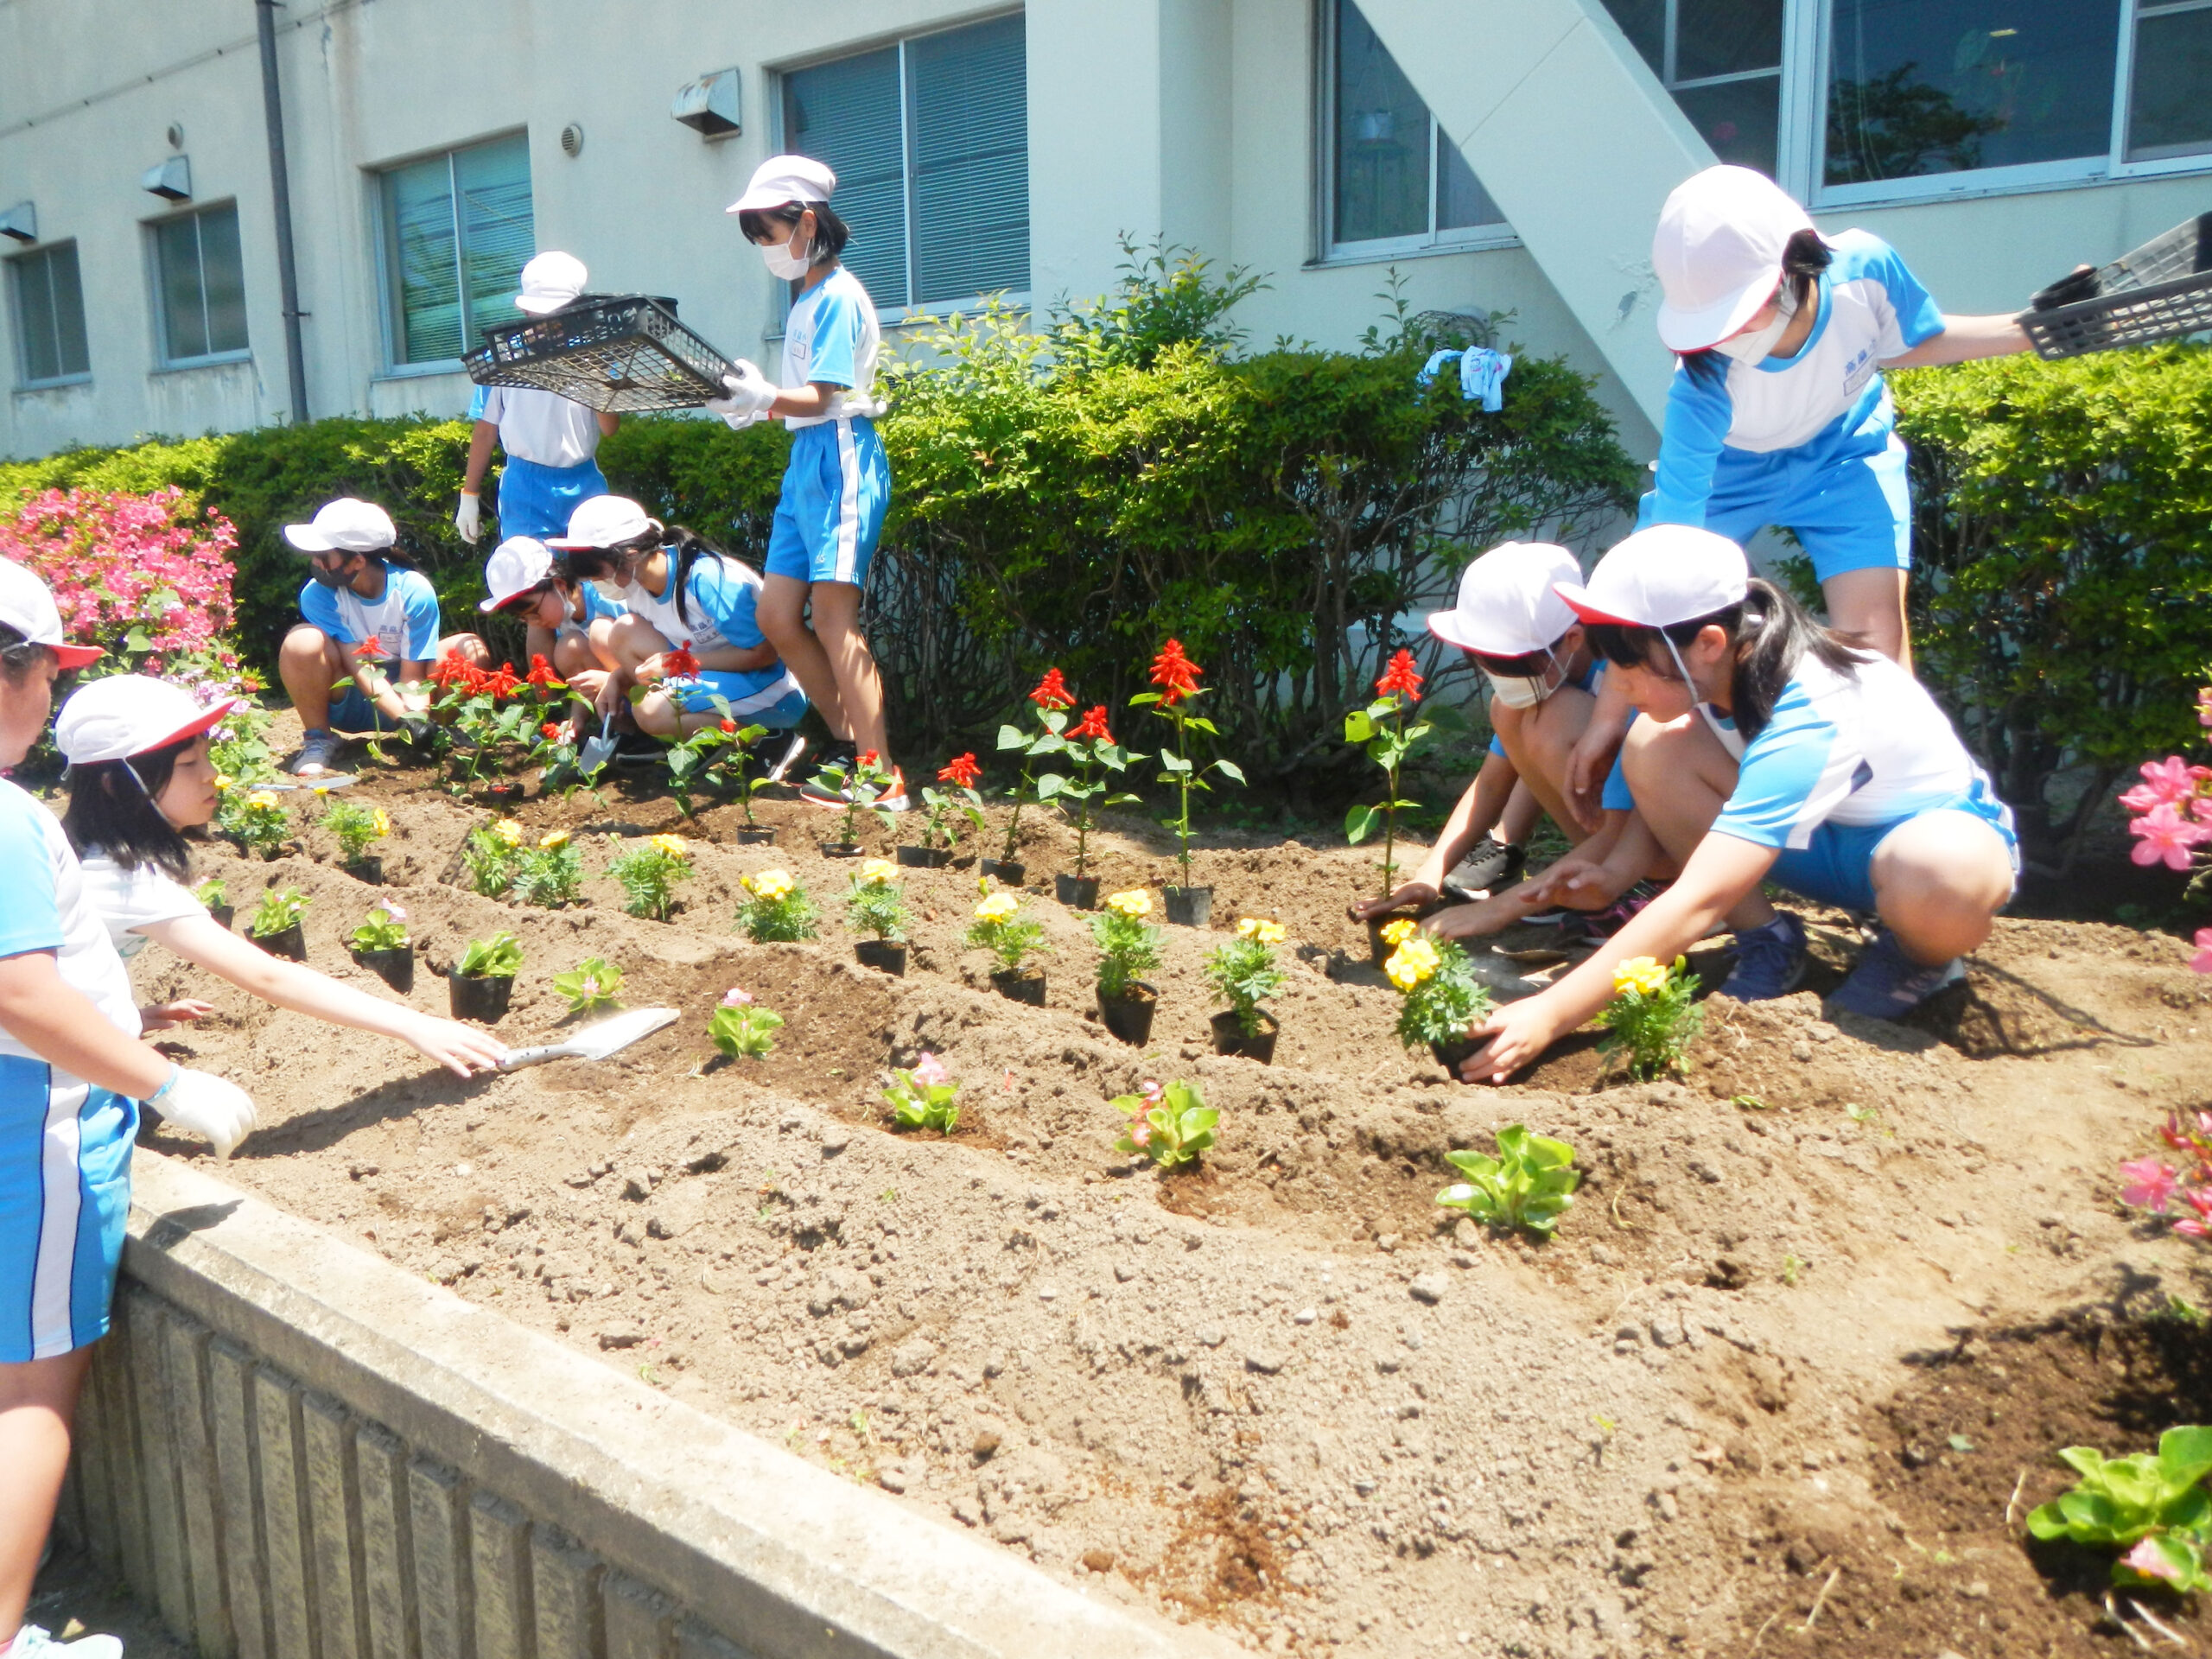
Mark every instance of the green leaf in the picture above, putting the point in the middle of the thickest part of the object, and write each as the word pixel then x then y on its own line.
pixel 1229 769
pixel 1049 784
pixel 1359 726
pixel 1360 822
pixel 1012 737
pixel 1200 724
pixel 1144 697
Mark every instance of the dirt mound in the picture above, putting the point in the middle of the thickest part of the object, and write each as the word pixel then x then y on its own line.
pixel 1279 1395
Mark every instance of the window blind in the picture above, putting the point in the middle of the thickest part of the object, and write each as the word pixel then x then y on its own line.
pixel 420 230
pixel 969 99
pixel 50 313
pixel 849 114
pixel 458 230
pixel 202 281
pixel 498 235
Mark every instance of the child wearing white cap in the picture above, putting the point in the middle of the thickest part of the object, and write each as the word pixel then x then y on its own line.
pixel 1824 769
pixel 565 620
pixel 1778 415
pixel 838 484
pixel 363 606
pixel 72 1074
pixel 551 442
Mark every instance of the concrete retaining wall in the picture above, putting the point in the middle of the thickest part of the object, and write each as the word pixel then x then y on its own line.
pixel 295 1451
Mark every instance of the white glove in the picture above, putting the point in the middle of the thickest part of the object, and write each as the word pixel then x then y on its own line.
pixel 750 393
pixel 468 516
pixel 208 1106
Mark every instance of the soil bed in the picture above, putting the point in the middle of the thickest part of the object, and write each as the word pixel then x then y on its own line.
pixel 1279 1395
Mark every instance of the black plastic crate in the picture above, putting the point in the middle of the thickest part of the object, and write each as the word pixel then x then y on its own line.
pixel 621 353
pixel 2160 291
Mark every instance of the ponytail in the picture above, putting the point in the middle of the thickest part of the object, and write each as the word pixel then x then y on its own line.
pixel 686 548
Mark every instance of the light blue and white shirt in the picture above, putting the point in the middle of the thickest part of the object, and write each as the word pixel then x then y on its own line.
pixel 832 336
pixel 720 596
pixel 403 620
pixel 49 907
pixel 539 426
pixel 1872 309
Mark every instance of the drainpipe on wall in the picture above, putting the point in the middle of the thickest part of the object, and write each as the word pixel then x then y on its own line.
pixel 280 185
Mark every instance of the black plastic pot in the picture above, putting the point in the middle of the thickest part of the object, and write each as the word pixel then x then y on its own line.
pixel 369 867
pixel 396 967
pixel 223 914
pixel 1188 906
pixel 756 837
pixel 1380 949
pixel 500 794
pixel 291 943
pixel 1023 985
pixel 1010 871
pixel 924 858
pixel 479 996
pixel 1452 1054
pixel 885 955
pixel 841 850
pixel 1076 893
pixel 1130 1018
pixel 1229 1037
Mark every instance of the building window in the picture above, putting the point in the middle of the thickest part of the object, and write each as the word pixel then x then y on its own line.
pixel 1722 60
pixel 49 303
pixel 1397 183
pixel 457 232
pixel 929 139
pixel 202 280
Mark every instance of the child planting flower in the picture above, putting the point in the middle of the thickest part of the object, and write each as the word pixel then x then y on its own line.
pixel 551 874
pixel 1651 1015
pixel 358 828
pixel 1177 676
pixel 1244 973
pixel 1089 745
pixel 777 909
pixel 1127 947
pixel 962 772
pixel 1380 727
pixel 874 905
pixel 1053 700
pixel 593 984
pixel 1000 929
pixel 491 854
pixel 649 875
pixel 385 929
pixel 1170 1126
pixel 1444 1000
pixel 742 1030
pixel 922 1095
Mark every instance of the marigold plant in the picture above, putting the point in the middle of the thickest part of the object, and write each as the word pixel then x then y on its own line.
pixel 491 854
pixel 874 904
pixel 1127 947
pixel 649 875
pixel 357 826
pixel 775 908
pixel 1244 970
pixel 1000 928
pixel 256 819
pixel 1652 1016
pixel 551 874
pixel 1444 1000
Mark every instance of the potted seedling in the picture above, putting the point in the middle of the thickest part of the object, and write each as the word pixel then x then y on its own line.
pixel 1380 729
pixel 776 909
pixel 255 819
pixel 275 925
pixel 860 785
pixel 483 981
pixel 1177 676
pixel 649 875
pixel 213 894
pixel 593 986
pixel 1128 946
pixel 1244 973
pixel 1001 929
pixel 1444 999
pixel 748 783
pixel 359 827
pixel 1088 747
pixel 742 1030
pixel 549 874
pixel 924 1096
pixel 960 771
pixel 1170 1126
pixel 381 945
pixel 491 856
pixel 875 906
pixel 1053 700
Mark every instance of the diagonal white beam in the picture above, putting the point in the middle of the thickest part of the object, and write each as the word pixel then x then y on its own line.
pixel 1573 136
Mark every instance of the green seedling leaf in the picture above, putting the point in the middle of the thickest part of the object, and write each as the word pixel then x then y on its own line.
pixel 1360 822
pixel 1229 769
pixel 1530 1183
pixel 1359 727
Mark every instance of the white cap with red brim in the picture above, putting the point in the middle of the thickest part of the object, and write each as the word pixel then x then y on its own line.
pixel 517 565
pixel 604 521
pixel 128 715
pixel 1509 603
pixel 26 606
pixel 782 179
pixel 1718 253
pixel 1660 576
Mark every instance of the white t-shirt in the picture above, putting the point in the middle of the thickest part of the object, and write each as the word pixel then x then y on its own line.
pixel 702 631
pixel 831 336
pixel 540 426
pixel 48 907
pixel 129 900
pixel 403 620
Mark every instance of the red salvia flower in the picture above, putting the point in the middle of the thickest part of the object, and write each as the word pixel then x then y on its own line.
pixel 961 770
pixel 680 664
pixel 869 761
pixel 500 682
pixel 1175 674
pixel 1093 725
pixel 450 670
pixel 541 674
pixel 1400 676
pixel 552 730
pixel 1052 691
pixel 729 725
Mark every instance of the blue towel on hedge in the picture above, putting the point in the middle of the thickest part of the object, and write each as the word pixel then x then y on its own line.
pixel 1482 374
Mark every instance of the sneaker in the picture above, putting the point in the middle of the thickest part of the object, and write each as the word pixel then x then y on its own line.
pixel 1887 984
pixel 790 759
pixel 1595 925
pixel 1769 961
pixel 317 753
pixel 814 792
pixel 1492 865
pixel 32 1642
pixel 893 798
pixel 637 749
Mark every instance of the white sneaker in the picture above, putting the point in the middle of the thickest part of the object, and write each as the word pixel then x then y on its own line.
pixel 32 1642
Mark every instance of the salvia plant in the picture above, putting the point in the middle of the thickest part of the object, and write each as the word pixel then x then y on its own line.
pixel 1244 970
pixel 963 772
pixel 874 904
pixel 1177 676
pixel 1172 1125
pixel 1530 1183
pixel 357 826
pixel 2151 1506
pixel 1443 999
pixel 742 1030
pixel 1000 928
pixel 861 785
pixel 549 874
pixel 775 908
pixel 1380 729
pixel 1127 945
pixel 1053 700
pixel 497 958
pixel 278 909
pixel 593 984
pixel 385 929
pixel 649 874
pixel 1097 760
pixel 924 1096
pixel 1652 1018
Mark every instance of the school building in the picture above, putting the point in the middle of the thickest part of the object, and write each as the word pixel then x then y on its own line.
pixel 1501 155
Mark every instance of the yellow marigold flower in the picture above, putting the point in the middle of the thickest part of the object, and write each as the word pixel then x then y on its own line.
pixel 771 885
pixel 674 847
pixel 263 800
pixel 508 831
pixel 1412 962
pixel 553 840
pixel 223 781
pixel 1399 931
pixel 1135 903
pixel 1264 931
pixel 383 822
pixel 999 907
pixel 878 873
pixel 1643 975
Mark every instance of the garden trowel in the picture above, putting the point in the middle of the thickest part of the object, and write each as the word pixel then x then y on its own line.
pixel 595 1042
pixel 597 751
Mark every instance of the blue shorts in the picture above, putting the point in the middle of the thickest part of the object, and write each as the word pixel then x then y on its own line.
pixel 354 713
pixel 65 1193
pixel 1838 867
pixel 836 492
pixel 1846 502
pixel 535 500
pixel 768 697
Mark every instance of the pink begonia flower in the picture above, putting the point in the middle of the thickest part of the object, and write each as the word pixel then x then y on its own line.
pixel 734 998
pixel 2170 779
pixel 2163 837
pixel 2146 1559
pixel 929 1072
pixel 2202 960
pixel 1151 1091
pixel 1140 1133
pixel 2204 706
pixel 2150 1184
pixel 395 912
pixel 2199 1199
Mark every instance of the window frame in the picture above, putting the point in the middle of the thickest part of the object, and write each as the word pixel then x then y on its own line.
pixel 921 312
pixel 1327 250
pixel 164 358
pixel 389 326
pixel 25 381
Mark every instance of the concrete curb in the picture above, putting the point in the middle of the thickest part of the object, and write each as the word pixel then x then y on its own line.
pixel 324 1455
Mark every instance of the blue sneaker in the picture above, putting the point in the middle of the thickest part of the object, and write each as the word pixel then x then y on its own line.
pixel 1769 961
pixel 1887 984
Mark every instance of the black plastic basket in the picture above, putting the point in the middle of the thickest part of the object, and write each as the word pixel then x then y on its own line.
pixel 620 352
pixel 2160 291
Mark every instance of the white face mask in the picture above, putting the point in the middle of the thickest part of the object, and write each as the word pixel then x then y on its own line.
pixel 785 261
pixel 1525 691
pixel 1756 347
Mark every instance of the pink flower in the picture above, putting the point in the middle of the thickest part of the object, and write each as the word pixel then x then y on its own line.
pixel 2204 706
pixel 1151 1091
pixel 395 912
pixel 2164 836
pixel 2193 1230
pixel 2170 779
pixel 2202 961
pixel 1140 1133
pixel 929 1072
pixel 2150 1184
pixel 734 998
pixel 2146 1559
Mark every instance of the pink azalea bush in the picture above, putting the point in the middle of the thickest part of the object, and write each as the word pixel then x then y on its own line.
pixel 145 577
pixel 2185 1192
pixel 2170 815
